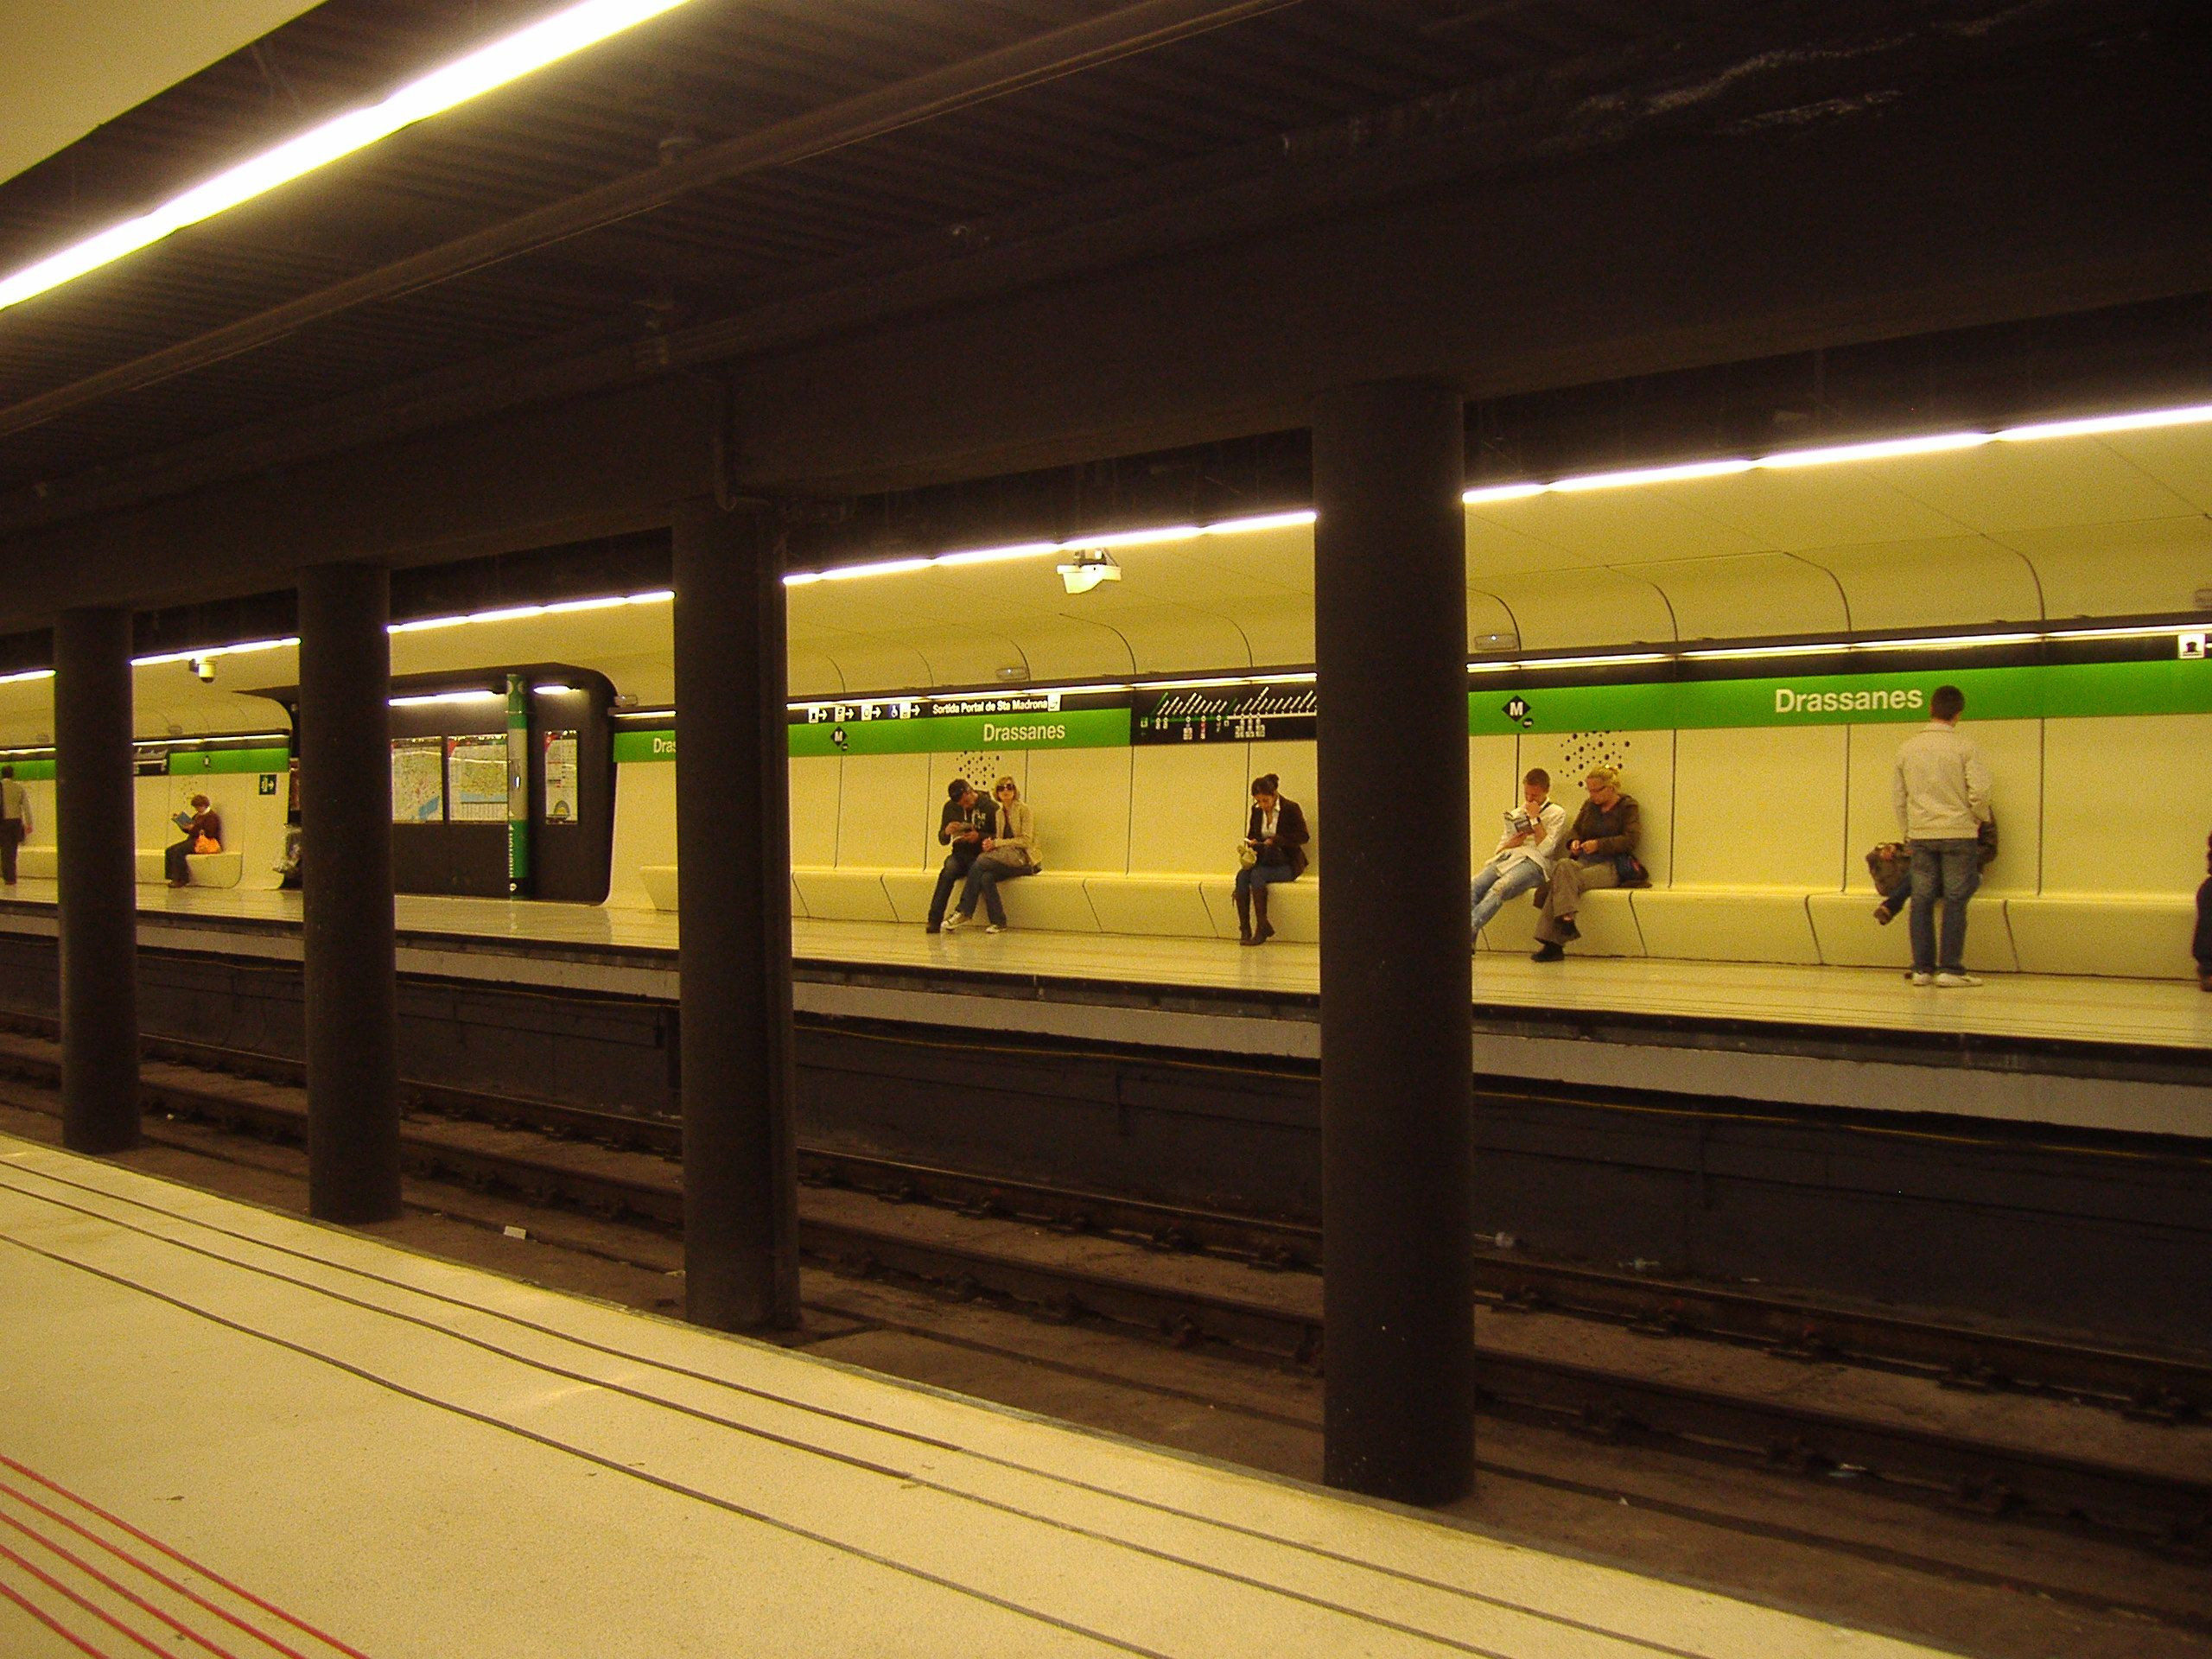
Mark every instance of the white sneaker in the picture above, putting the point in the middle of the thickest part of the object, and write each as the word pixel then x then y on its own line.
pixel 1917 978
pixel 1955 981
pixel 1000 927
pixel 954 922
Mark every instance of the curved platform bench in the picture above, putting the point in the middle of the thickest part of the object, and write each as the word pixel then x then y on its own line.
pixel 2134 936
pixel 150 865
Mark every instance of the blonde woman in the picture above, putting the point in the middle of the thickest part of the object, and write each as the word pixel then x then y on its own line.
pixel 1009 852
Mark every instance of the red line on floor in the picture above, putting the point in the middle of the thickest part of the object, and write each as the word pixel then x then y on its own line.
pixel 52 1623
pixel 97 1611
pixel 150 1571
pixel 129 1595
pixel 152 1543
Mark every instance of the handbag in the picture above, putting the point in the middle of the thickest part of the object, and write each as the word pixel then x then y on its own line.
pixel 1247 855
pixel 207 844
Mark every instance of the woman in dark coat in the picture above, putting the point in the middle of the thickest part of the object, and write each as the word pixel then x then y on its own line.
pixel 1276 836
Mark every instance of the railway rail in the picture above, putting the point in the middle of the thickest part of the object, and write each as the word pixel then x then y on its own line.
pixel 444 1139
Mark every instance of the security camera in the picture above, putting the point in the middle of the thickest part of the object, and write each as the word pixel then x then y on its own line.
pixel 203 669
pixel 1087 568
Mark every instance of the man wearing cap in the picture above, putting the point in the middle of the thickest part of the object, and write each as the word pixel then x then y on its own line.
pixel 1600 852
pixel 960 827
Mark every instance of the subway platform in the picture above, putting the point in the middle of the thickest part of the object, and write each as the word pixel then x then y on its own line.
pixel 2125 1056
pixel 225 1431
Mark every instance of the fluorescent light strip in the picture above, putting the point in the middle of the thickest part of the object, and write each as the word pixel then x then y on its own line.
pixel 525 612
pixel 207 652
pixel 1530 664
pixel 26 676
pixel 508 59
pixel 1878 449
pixel 1828 648
pixel 1043 550
pixel 424 700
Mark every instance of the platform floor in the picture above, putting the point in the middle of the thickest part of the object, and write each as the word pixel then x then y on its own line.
pixel 2159 1014
pixel 225 1430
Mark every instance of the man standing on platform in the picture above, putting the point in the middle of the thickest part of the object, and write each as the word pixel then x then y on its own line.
pixel 15 822
pixel 1941 793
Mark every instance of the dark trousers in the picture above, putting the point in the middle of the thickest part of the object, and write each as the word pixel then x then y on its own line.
pixel 179 870
pixel 11 836
pixel 2202 949
pixel 949 875
pixel 1949 870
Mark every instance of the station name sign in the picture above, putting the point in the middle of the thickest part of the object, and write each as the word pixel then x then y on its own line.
pixel 2039 691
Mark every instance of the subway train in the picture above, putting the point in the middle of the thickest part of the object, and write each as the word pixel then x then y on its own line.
pixel 1746 638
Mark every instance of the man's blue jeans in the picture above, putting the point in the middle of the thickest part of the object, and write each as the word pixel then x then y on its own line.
pixel 1949 870
pixel 1492 887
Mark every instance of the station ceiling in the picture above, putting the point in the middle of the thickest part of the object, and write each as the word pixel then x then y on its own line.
pixel 2117 525
pixel 739 178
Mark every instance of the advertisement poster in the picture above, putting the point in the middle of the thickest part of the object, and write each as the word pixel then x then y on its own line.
pixel 418 780
pixel 561 804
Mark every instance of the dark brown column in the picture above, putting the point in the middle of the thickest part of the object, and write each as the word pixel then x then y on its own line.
pixel 345 892
pixel 1389 612
pixel 740 1220
pixel 96 825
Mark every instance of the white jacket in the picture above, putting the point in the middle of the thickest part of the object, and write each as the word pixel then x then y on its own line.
pixel 1541 852
pixel 1941 790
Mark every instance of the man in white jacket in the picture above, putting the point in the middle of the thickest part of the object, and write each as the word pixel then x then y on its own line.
pixel 1524 853
pixel 1942 801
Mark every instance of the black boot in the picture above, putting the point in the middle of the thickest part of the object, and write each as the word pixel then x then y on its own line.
pixel 1243 916
pixel 1261 932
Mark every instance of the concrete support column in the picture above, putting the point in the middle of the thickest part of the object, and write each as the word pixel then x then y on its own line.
pixel 741 1211
pixel 345 889
pixel 1389 604
pixel 96 817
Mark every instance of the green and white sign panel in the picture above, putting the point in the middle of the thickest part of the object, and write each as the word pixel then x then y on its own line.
pixel 1066 728
pixel 2058 691
pixel 1500 708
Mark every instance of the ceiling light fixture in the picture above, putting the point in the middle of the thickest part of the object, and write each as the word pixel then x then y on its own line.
pixel 423 700
pixel 510 57
pixel 1087 570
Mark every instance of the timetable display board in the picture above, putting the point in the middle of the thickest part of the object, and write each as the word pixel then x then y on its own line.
pixel 1228 713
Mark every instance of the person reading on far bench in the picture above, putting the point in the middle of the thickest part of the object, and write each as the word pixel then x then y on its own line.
pixel 1524 853
pixel 1601 853
pixel 1273 850
pixel 203 832
pixel 1941 794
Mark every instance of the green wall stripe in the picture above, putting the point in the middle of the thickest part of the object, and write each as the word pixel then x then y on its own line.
pixel 194 763
pixel 2055 692
pixel 1500 708
pixel 1075 729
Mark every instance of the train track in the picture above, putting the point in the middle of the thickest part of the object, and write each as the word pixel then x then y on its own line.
pixel 444 1140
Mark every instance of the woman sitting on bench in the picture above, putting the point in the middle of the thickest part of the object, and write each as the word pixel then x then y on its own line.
pixel 203 832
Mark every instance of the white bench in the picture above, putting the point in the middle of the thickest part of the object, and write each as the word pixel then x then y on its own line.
pixel 150 864
pixel 2144 936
